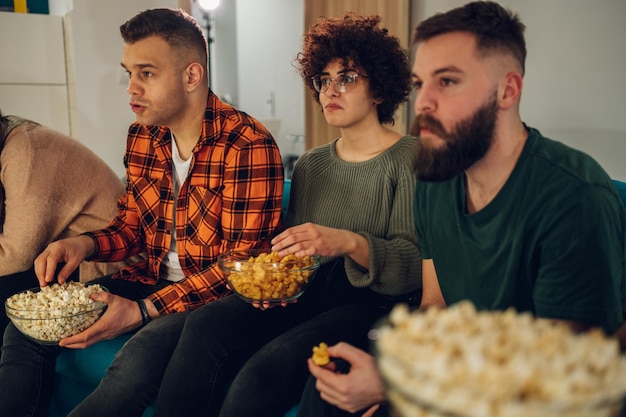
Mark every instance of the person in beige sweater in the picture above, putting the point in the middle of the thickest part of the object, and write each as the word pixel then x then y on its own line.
pixel 51 187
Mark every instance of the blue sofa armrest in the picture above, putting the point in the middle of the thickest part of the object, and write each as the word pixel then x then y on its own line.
pixel 286 192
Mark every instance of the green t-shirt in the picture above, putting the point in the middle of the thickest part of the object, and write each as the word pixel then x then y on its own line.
pixel 551 242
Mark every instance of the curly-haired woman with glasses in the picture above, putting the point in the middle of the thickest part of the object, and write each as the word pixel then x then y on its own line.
pixel 350 204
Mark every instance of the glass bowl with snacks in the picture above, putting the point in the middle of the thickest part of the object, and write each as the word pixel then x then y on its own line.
pixel 460 362
pixel 56 311
pixel 258 276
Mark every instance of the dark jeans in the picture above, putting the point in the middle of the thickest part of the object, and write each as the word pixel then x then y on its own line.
pixel 222 337
pixel 312 405
pixel 145 357
pixel 27 367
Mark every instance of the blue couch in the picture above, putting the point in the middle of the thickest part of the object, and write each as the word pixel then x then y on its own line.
pixel 79 371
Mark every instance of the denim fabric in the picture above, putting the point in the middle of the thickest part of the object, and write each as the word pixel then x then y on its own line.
pixel 272 380
pixel 27 367
pixel 26 375
pixel 216 340
pixel 134 377
pixel 222 336
pixel 312 405
pixel 11 284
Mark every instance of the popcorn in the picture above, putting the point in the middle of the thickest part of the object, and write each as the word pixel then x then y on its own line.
pixel 458 361
pixel 271 277
pixel 320 354
pixel 55 311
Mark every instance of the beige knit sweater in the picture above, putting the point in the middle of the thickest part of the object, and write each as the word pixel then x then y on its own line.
pixel 52 187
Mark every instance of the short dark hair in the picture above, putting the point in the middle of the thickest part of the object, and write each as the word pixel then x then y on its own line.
pixel 180 30
pixel 369 46
pixel 496 28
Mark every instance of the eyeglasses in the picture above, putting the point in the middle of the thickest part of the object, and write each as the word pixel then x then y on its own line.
pixel 342 82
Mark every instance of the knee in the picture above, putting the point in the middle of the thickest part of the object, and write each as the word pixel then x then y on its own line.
pixel 138 362
pixel 270 365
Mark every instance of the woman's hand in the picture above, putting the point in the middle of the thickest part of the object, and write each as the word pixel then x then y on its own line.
pixel 313 239
pixel 265 305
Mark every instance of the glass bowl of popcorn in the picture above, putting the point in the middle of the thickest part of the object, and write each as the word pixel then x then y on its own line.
pixel 53 312
pixel 462 362
pixel 258 276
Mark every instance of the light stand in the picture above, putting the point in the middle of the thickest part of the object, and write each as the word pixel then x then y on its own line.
pixel 207 25
pixel 206 6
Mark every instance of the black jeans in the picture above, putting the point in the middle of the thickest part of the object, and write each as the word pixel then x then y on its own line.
pixel 312 405
pixel 145 358
pixel 265 350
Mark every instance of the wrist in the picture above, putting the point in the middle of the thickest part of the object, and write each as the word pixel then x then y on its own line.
pixel 145 316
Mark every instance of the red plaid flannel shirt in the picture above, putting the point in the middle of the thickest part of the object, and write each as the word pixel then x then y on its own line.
pixel 231 199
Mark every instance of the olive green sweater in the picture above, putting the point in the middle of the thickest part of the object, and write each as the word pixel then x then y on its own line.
pixel 373 198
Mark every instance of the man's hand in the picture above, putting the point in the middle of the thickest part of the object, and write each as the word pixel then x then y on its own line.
pixel 360 388
pixel 72 251
pixel 121 316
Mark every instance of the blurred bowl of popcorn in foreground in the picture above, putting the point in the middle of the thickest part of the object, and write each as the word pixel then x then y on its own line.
pixel 51 313
pixel 461 362
pixel 263 276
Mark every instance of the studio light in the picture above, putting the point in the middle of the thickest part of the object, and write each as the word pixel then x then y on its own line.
pixel 208 5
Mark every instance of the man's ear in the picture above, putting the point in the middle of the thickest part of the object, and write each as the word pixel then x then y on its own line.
pixel 510 90
pixel 194 74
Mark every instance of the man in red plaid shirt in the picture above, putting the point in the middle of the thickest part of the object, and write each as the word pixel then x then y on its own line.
pixel 202 178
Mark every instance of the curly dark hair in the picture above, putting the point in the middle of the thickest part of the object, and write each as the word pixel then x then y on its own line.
pixel 496 28
pixel 362 41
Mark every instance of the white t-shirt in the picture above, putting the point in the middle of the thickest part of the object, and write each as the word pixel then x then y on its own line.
pixel 173 270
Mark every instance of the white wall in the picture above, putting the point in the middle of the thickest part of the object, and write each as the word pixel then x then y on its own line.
pixel 100 114
pixel 224 64
pixel 33 82
pixel 269 36
pixel 575 83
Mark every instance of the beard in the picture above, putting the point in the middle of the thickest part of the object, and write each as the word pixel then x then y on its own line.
pixel 467 142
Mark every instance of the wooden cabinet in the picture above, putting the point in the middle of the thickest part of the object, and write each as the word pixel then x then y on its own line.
pixel 33 76
pixel 395 17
